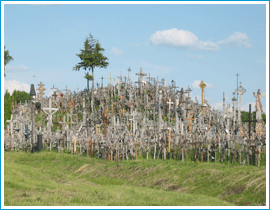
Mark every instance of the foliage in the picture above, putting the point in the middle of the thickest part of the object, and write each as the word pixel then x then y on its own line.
pixel 7 58
pixel 91 57
pixel 7 107
pixel 20 96
pixel 88 77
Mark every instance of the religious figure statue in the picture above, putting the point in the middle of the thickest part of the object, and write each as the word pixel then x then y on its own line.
pixel 258 105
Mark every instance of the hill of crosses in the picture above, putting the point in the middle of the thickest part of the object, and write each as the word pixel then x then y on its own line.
pixel 128 120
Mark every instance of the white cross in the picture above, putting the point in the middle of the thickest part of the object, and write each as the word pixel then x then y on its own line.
pixel 170 103
pixel 50 111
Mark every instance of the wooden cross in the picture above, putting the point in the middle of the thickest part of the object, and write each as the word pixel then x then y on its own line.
pixel 110 78
pixel 190 120
pixel 54 95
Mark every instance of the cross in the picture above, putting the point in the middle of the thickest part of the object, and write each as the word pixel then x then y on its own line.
pixel 110 78
pixel 164 82
pixel 120 77
pixel 53 88
pixel 66 90
pixel 34 76
pixel 249 120
pixel 54 95
pixel 170 103
pixel 129 70
pixel 237 83
pixel 50 111
pixel 149 78
pixel 102 81
pixel 190 120
pixel 240 91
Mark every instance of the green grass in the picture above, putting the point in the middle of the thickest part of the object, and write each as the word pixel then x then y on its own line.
pixel 52 179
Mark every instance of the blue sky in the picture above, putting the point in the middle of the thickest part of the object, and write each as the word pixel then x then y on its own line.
pixel 184 43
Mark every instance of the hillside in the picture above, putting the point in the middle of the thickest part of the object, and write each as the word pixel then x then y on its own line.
pixel 52 179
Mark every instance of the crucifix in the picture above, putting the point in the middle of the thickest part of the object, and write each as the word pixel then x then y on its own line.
pixel 140 79
pixel 190 120
pixel 50 111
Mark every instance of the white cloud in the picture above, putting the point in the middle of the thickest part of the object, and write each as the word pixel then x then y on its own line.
pixel 12 85
pixel 237 39
pixel 181 39
pixel 196 83
pixel 186 39
pixel 136 45
pixel 16 68
pixel 196 56
pixel 116 51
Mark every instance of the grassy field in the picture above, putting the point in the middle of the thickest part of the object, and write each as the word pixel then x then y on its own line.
pixel 52 179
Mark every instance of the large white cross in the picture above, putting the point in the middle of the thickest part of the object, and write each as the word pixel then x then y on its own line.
pixel 50 111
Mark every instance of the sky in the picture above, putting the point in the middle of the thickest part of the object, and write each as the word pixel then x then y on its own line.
pixel 186 43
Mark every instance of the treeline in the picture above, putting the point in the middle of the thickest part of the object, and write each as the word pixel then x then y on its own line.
pixel 19 96
pixel 245 116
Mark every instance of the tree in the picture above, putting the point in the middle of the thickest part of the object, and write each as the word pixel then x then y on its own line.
pixel 91 57
pixel 7 58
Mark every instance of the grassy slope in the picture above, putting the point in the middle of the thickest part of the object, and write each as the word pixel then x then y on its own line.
pixel 53 179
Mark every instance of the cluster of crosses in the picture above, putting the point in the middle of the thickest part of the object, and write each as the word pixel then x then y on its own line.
pixel 124 120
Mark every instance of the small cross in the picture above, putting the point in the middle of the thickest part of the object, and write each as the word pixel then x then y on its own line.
pixel 170 103
pixel 53 88
pixel 34 76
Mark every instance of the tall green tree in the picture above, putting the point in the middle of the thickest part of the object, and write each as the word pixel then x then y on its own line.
pixel 7 58
pixel 91 57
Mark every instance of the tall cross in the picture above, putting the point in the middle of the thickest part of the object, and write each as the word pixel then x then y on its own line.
pixel 129 70
pixel 50 111
pixel 41 91
pixel 237 82
pixel 110 78
pixel 164 82
pixel 240 91
pixel 202 86
pixel 149 79
pixel 53 88
pixel 102 81
pixel 120 77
